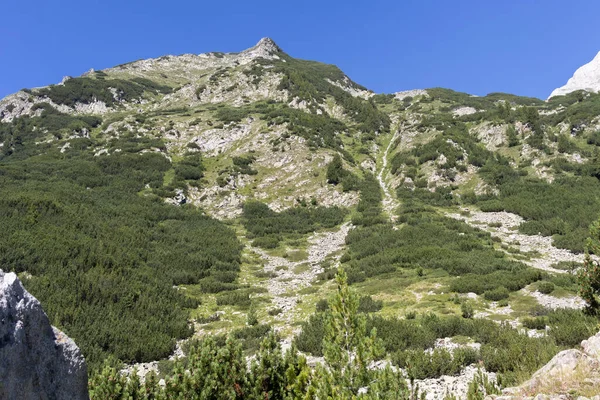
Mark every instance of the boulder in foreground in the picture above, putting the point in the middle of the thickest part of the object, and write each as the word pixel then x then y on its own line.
pixel 37 361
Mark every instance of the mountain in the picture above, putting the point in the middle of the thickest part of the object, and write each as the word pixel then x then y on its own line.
pixel 203 195
pixel 587 78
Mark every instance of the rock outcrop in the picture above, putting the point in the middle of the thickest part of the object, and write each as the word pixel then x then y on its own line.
pixel 37 361
pixel 570 371
pixel 587 77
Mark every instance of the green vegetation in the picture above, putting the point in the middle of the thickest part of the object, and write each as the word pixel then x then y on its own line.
pixel 270 227
pixel 103 259
pixel 368 210
pixel 242 165
pixel 320 130
pixel 562 209
pixel 190 169
pixel 503 350
pixel 589 274
pixel 480 102
pixel 93 239
pixel 580 108
pixel 310 81
pixel 88 90
pixel 20 136
pixel 432 241
pixel 454 142
pixel 215 370
pixel 336 174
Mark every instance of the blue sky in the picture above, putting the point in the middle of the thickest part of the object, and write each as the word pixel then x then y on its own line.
pixel 526 47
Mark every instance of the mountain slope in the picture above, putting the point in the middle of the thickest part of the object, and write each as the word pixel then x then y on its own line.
pixel 177 196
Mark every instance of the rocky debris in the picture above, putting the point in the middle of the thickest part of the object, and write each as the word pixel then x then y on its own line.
pixel 179 199
pixel 298 103
pixel 444 386
pixel 193 67
pixel 235 88
pixel 543 253
pixel 554 303
pixel 493 136
pixel 37 361
pixel 215 141
pixel 495 309
pixel 334 110
pixel 369 165
pixel 141 369
pixel 287 282
pixel 410 93
pixel 348 86
pixel 464 111
pixel 390 204
pixel 220 203
pixel 542 171
pixel 449 344
pixel 16 105
pixel 587 77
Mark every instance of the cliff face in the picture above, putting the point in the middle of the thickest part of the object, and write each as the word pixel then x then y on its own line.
pixel 37 361
pixel 587 77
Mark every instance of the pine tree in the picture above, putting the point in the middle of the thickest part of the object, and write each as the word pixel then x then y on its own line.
pixel 298 375
pixel 335 170
pixel 348 350
pixel 251 318
pixel 268 372
pixel 389 385
pixel 513 138
pixel 109 384
pixel 589 275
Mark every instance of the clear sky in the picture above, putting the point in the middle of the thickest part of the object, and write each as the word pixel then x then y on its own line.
pixel 526 47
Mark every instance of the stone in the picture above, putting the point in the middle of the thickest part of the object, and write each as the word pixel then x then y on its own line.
pixel 562 368
pixel 591 346
pixel 37 361
pixel 587 77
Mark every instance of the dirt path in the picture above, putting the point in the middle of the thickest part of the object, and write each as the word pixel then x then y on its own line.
pixel 288 280
pixel 390 203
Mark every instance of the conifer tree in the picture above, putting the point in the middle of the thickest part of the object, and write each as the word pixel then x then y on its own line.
pixel 269 370
pixel 348 349
pixel 589 275
pixel 335 170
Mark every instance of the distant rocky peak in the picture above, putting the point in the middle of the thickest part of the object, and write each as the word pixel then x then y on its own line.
pixel 265 48
pixel 587 77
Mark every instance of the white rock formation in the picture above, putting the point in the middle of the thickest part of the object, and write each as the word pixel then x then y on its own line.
pixel 586 77
pixel 410 93
pixel 37 361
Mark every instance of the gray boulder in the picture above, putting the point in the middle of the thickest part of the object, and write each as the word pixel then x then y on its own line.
pixel 37 361
pixel 591 346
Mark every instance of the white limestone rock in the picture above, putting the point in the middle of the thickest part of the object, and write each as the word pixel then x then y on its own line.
pixel 586 78
pixel 591 346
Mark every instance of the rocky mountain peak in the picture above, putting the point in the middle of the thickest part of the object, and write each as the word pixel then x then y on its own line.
pixel 265 48
pixel 268 44
pixel 587 77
